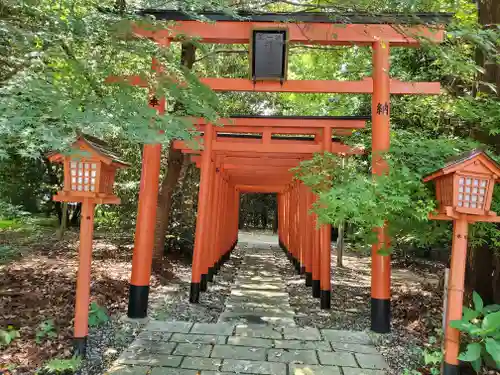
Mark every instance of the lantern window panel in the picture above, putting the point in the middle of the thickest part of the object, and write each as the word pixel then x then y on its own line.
pixel 81 172
pixel 472 192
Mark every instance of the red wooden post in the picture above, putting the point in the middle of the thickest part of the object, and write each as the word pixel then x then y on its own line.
pixel 303 229
pixel 455 294
pixel 316 287
pixel 300 228
pixel 142 257
pixel 309 234
pixel 202 219
pixel 381 264
pixel 325 241
pixel 211 234
pixel 221 214
pixel 295 230
pixel 83 279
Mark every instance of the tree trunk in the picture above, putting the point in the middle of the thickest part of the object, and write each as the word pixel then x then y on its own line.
pixel 170 180
pixel 481 272
pixel 64 221
pixel 275 221
pixel 489 17
pixel 340 246
pixel 75 217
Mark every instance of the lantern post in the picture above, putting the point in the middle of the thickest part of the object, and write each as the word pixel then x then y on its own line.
pixel 464 191
pixel 89 174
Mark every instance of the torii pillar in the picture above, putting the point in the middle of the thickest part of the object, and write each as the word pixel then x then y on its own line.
pixel 381 264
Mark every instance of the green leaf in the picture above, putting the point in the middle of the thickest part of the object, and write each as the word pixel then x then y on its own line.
pixel 433 357
pixel 463 326
pixel 491 321
pixel 491 308
pixel 469 314
pixel 476 365
pixel 493 347
pixel 478 302
pixel 472 353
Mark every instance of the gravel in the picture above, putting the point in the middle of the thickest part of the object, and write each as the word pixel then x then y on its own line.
pixel 107 342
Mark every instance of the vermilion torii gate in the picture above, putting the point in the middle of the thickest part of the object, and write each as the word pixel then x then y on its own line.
pixel 233 163
pixel 255 154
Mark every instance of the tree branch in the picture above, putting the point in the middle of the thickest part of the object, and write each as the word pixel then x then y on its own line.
pixel 221 51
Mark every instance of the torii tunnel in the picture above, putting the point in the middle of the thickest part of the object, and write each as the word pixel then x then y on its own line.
pixel 255 154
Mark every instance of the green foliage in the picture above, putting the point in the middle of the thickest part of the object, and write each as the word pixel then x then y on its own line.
pixel 352 194
pixel 482 326
pixel 9 211
pixel 58 85
pixel 45 330
pixel 8 335
pixel 97 315
pixel 57 366
pixel 432 356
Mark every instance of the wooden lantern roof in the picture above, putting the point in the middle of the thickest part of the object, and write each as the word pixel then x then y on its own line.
pixel 97 149
pixel 465 160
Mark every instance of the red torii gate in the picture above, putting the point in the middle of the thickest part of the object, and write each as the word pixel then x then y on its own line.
pixel 262 163
pixel 308 28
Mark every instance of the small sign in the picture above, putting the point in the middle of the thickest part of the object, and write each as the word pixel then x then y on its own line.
pixel 268 57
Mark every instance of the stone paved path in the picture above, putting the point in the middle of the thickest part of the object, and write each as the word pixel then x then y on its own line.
pixel 256 334
pixel 258 295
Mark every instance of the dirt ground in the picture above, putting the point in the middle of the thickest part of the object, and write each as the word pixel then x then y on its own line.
pixel 41 286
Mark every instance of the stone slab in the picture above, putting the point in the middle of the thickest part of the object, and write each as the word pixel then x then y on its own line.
pixel 292 355
pixel 154 335
pixel 198 363
pixel 173 371
pixel 303 369
pixel 371 361
pixel 127 370
pixel 354 348
pixel 256 303
pixel 198 338
pixel 149 359
pixel 269 311
pixel 193 350
pixel 220 329
pixel 351 337
pixel 307 333
pixel 263 279
pixel 258 293
pixel 152 346
pixel 180 327
pixel 362 371
pixel 301 345
pixel 254 367
pixel 277 286
pixel 250 341
pixel 258 332
pixel 239 352
pixel 337 359
pixel 256 319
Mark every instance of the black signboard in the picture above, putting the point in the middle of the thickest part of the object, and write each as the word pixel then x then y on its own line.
pixel 268 54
